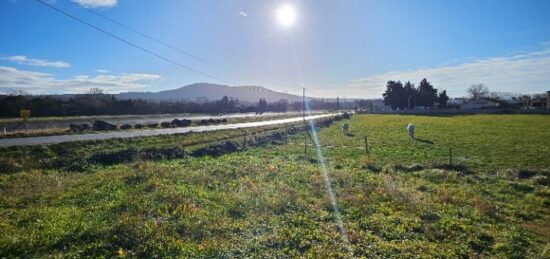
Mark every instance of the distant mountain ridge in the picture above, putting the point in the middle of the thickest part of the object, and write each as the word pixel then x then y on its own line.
pixel 206 91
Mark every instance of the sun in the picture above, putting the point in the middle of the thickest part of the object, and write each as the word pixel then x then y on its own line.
pixel 286 15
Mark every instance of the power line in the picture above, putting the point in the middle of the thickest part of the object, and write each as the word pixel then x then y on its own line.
pixel 151 38
pixel 133 44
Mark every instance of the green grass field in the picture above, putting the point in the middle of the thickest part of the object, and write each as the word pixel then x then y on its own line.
pixel 403 200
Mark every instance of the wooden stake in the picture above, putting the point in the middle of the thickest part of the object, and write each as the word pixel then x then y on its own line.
pixel 366 144
pixel 450 156
pixel 305 141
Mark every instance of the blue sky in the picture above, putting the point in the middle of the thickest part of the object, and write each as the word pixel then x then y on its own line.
pixel 343 48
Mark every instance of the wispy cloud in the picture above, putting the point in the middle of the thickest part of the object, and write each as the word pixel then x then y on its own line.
pixel 96 3
pixel 23 60
pixel 243 14
pixel 527 72
pixel 39 83
pixel 102 71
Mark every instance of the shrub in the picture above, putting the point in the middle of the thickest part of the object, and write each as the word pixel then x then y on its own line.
pixel 152 125
pixel 79 127
pixel 114 157
pixel 542 180
pixel 162 153
pixel 166 124
pixel 181 123
pixel 9 166
pixel 346 115
pixel 125 126
pixel 103 125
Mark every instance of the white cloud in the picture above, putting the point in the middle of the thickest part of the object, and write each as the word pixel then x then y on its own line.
pixel 38 82
pixel 96 3
pixel 525 73
pixel 37 62
pixel 102 71
pixel 243 14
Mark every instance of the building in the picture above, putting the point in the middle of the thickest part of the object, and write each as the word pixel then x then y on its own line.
pixel 539 101
pixel 481 103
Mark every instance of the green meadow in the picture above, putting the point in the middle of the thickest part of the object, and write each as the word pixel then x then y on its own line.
pixel 399 200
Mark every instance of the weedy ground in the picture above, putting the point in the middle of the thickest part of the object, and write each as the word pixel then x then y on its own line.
pixel 403 200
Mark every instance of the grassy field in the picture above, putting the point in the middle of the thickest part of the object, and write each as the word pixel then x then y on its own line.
pixel 403 200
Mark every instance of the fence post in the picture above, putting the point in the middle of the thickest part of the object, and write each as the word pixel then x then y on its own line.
pixel 450 156
pixel 305 140
pixel 366 144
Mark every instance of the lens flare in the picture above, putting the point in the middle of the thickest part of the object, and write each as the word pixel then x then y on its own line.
pixel 324 170
pixel 328 183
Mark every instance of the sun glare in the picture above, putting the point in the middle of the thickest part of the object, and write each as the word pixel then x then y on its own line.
pixel 286 15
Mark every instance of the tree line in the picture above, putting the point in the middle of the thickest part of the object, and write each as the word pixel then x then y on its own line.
pixel 106 104
pixel 407 96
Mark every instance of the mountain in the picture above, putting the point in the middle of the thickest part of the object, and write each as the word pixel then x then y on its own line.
pixel 205 91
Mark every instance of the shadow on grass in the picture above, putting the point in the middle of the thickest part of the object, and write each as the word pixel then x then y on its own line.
pixel 425 141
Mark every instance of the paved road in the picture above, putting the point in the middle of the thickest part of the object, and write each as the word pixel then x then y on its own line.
pixel 14 124
pixel 26 141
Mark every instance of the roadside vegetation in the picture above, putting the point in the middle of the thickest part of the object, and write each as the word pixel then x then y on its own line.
pixel 87 155
pixel 402 200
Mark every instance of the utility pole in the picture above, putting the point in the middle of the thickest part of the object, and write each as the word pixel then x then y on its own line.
pixel 304 105
pixel 304 116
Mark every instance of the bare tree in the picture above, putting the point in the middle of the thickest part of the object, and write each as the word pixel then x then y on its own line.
pixel 17 92
pixel 526 101
pixel 477 91
pixel 95 90
pixel 362 103
pixel 504 95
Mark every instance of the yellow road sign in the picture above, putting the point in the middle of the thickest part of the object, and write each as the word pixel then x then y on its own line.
pixel 24 113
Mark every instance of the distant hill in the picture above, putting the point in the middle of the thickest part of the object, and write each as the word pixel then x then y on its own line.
pixel 203 92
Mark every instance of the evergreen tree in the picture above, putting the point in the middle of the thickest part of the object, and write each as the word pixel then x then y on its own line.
pixel 442 99
pixel 395 95
pixel 411 94
pixel 427 94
